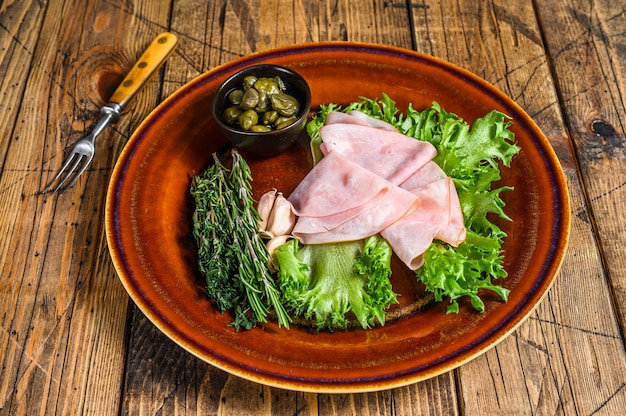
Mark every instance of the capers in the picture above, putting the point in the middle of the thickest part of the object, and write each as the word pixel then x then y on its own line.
pixel 267 86
pixel 250 99
pixel 284 122
pixel 259 128
pixel 285 104
pixel 262 104
pixel 235 97
pixel 269 117
pixel 249 81
pixel 231 114
pixel 247 119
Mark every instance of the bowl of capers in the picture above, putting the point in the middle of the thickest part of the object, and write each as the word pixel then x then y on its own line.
pixel 262 109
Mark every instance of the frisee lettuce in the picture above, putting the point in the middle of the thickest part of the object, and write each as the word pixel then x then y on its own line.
pixel 471 156
pixel 323 282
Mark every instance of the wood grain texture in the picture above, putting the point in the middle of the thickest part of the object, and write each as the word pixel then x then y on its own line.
pixel 64 311
pixel 589 63
pixel 502 43
pixel 71 342
pixel 590 66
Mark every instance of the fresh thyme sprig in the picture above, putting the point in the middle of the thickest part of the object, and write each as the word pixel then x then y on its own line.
pixel 231 255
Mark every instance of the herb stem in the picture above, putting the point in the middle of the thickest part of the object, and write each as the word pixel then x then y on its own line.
pixel 232 256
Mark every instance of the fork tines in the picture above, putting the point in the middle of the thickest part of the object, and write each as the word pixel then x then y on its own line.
pixel 76 158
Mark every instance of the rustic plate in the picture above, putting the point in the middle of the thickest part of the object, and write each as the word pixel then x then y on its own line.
pixel 148 228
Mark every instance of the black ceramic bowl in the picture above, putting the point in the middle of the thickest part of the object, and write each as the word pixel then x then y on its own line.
pixel 272 142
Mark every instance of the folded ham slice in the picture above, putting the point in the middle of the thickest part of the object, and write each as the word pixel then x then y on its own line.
pixel 339 200
pixel 373 179
pixel 372 219
pixel 427 174
pixel 439 217
pixel 357 117
pixel 441 203
pixel 386 153
pixel 335 185
pixel 374 122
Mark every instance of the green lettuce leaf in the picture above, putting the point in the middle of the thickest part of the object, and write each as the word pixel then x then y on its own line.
pixel 324 282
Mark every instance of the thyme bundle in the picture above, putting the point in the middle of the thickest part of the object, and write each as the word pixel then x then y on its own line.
pixel 231 255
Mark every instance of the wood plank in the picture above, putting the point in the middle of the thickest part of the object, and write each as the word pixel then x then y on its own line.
pixel 18 55
pixel 589 62
pixel 64 310
pixel 21 22
pixel 502 43
pixel 589 65
pixel 234 29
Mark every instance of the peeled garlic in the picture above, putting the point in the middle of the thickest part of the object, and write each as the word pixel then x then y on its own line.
pixel 272 245
pixel 282 218
pixel 264 207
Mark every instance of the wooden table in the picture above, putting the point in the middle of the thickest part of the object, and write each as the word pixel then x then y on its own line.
pixel 73 343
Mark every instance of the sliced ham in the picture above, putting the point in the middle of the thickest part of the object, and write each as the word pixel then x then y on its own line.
pixel 439 217
pixel 339 117
pixel 373 179
pixel 339 200
pixel 372 219
pixel 453 232
pixel 441 203
pixel 357 117
pixel 427 174
pixel 335 185
pixel 386 153
pixel 410 245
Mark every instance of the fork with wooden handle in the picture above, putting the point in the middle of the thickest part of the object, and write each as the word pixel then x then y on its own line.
pixel 82 153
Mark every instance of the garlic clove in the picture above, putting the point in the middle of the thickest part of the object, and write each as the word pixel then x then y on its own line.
pixel 264 208
pixel 272 245
pixel 282 218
